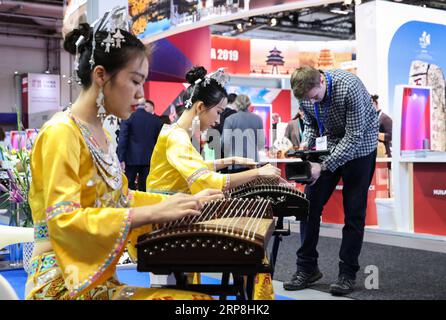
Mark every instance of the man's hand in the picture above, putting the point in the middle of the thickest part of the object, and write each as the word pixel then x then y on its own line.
pixel 303 146
pixel 315 172
pixel 123 166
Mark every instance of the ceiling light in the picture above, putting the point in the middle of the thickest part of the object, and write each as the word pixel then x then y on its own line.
pixel 338 11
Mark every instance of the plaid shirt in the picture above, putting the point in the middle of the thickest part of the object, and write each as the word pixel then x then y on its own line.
pixel 351 125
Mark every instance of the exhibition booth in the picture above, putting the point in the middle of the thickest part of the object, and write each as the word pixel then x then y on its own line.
pixel 402 193
pixel 402 59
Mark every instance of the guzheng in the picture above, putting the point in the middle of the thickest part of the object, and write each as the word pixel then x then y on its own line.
pixel 285 199
pixel 228 232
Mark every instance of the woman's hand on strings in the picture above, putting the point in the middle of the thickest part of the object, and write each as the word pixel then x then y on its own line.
pixel 172 208
pixel 178 206
pixel 269 170
pixel 208 195
pixel 246 162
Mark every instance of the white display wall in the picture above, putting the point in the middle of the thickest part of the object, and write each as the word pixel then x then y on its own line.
pixel 376 25
pixel 391 39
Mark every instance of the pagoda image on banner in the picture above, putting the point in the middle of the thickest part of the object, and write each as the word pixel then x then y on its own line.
pixel 326 60
pixel 275 59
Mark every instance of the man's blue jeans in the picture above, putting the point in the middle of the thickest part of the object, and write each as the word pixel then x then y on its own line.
pixel 356 175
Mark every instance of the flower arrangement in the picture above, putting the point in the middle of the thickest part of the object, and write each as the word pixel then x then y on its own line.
pixel 17 165
pixel 19 183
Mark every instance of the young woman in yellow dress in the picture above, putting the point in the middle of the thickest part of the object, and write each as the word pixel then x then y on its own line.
pixel 176 165
pixel 83 213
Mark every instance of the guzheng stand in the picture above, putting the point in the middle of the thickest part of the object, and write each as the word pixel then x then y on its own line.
pixel 241 289
pixel 295 167
pixel 280 231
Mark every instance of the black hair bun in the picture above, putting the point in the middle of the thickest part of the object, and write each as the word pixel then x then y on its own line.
pixel 72 37
pixel 195 73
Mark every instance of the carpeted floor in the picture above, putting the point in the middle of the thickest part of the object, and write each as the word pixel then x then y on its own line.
pixel 403 273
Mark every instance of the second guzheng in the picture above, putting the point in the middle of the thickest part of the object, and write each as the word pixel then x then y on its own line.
pixel 285 199
pixel 228 232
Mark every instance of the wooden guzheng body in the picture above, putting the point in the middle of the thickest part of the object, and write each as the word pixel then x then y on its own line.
pixel 285 199
pixel 228 232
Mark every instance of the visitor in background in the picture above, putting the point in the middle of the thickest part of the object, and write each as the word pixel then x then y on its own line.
pixel 385 129
pixel 243 133
pixel 137 138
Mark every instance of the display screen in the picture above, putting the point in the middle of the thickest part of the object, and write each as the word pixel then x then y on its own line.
pixel 18 140
pixel 264 112
pixel 416 119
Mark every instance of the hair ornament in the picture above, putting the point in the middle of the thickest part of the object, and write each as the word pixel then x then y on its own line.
pixel 188 104
pixel 113 22
pixel 220 76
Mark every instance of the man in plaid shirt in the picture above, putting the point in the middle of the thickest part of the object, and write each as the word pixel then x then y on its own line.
pixel 338 116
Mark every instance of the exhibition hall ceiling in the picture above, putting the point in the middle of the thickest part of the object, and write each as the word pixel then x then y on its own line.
pixel 43 19
pixel 40 19
pixel 327 22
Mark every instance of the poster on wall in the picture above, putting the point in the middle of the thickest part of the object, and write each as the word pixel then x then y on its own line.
pixel 155 19
pixel 417 57
pixel 281 58
pixel 150 17
pixel 42 98
pixel 233 54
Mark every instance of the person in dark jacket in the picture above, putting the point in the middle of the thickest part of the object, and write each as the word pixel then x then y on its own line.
pixel 229 110
pixel 137 138
pixel 385 127
pixel 243 133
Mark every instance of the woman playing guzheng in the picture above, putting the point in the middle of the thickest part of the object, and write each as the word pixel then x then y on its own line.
pixel 176 165
pixel 83 213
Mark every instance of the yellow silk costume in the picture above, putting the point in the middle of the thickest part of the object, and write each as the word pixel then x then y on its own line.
pixel 176 166
pixel 82 225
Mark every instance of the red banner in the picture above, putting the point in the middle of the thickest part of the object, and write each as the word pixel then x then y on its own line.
pixel 230 53
pixel 379 188
pixel 429 198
